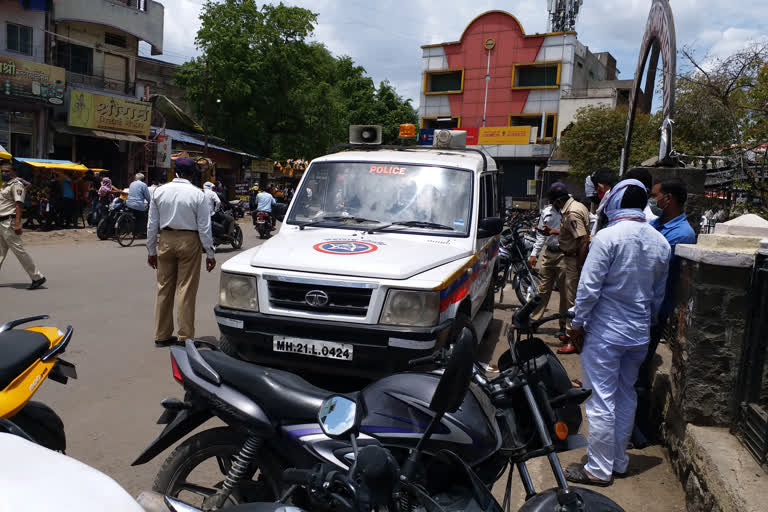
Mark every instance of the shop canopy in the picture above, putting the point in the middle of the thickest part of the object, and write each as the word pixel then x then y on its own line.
pixel 4 155
pixel 54 165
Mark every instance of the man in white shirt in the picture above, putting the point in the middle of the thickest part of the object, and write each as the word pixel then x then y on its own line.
pixel 180 215
pixel 552 265
pixel 643 176
pixel 213 198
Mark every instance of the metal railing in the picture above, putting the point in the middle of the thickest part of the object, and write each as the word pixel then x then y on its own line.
pixel 752 391
pixel 100 83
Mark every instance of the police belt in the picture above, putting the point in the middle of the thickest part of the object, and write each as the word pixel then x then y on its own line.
pixel 181 230
pixel 6 217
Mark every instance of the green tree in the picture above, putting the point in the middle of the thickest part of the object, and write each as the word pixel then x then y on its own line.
pixel 264 87
pixel 596 137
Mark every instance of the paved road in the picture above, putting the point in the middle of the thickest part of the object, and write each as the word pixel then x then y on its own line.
pixel 107 293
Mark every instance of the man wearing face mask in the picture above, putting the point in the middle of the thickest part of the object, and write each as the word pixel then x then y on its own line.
pixel 604 179
pixel 11 205
pixel 668 202
pixel 573 239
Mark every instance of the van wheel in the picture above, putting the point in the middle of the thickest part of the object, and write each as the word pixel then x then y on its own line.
pixel 459 323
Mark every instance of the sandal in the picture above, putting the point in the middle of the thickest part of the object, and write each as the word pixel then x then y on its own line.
pixel 577 474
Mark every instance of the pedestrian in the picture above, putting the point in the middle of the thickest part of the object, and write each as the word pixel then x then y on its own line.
pixel 668 202
pixel 12 196
pixel 179 229
pixel 68 204
pixel 604 179
pixel 618 299
pixel 643 175
pixel 573 240
pixel 552 266
pixel 138 202
pixel 106 192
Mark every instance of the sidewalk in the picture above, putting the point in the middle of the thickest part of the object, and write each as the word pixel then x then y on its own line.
pixel 652 486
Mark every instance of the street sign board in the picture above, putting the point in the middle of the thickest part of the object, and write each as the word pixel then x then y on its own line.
pixel 163 158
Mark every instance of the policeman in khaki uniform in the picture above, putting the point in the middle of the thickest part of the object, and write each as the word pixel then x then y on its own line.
pixel 573 238
pixel 178 232
pixel 11 205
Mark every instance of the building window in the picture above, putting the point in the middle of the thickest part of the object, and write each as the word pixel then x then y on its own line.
pixel 534 120
pixel 444 82
pixel 441 123
pixel 75 58
pixel 115 40
pixel 19 38
pixel 536 75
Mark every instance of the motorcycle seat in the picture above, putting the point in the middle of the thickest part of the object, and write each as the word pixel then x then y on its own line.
pixel 18 350
pixel 283 395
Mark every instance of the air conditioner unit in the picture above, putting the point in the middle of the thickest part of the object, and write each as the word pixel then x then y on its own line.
pixel 447 139
pixel 365 134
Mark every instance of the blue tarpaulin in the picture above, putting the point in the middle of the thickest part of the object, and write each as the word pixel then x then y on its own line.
pixel 34 5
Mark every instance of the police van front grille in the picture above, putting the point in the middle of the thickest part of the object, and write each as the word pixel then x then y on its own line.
pixel 341 300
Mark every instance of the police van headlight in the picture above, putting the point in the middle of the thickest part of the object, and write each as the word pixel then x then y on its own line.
pixel 238 292
pixel 410 308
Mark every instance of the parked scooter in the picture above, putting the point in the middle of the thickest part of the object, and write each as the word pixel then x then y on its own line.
pixel 529 410
pixel 27 358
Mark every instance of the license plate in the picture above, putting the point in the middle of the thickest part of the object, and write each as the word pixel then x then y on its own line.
pixel 260 221
pixel 314 348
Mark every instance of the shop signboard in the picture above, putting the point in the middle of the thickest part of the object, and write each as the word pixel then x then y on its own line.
pixel 506 135
pixel 32 80
pixel 262 166
pixel 163 158
pixel 109 113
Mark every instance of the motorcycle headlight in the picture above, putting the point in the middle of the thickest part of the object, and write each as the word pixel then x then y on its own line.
pixel 238 292
pixel 411 308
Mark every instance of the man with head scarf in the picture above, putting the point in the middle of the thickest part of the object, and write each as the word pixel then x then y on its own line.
pixel 618 299
pixel 179 229
pixel 603 179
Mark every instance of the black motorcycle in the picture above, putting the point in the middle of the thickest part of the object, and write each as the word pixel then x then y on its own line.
pixel 263 223
pixel 106 228
pixel 226 230
pixel 512 267
pixel 234 208
pixel 529 410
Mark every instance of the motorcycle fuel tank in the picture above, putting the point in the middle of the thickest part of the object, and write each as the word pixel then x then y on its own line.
pixel 397 414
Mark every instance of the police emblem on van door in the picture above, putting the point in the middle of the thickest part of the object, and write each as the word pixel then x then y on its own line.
pixel 316 298
pixel 345 247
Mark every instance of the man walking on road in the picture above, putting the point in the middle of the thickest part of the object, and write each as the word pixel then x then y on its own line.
pixel 619 296
pixel 552 266
pixel 180 217
pixel 11 206
pixel 573 239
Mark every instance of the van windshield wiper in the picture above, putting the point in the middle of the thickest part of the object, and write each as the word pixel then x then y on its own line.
pixel 413 224
pixel 336 218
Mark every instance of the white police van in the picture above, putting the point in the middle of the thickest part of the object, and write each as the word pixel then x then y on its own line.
pixel 384 255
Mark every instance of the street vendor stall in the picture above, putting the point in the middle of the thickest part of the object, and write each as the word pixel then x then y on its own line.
pixel 54 197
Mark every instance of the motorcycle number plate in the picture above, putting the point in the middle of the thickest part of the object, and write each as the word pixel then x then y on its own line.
pixel 313 348
pixel 260 221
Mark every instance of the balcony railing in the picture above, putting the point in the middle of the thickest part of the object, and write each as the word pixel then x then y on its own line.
pixel 100 83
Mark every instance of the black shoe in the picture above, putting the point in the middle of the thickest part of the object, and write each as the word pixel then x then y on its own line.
pixel 173 340
pixel 37 283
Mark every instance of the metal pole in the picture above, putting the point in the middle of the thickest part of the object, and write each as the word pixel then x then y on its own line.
pixel 205 108
pixel 487 81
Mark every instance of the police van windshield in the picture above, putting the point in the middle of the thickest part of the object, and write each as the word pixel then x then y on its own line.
pixel 413 198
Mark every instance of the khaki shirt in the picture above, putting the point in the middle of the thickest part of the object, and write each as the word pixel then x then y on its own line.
pixel 574 225
pixel 12 192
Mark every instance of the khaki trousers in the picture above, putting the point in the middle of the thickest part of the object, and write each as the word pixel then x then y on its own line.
pixel 10 240
pixel 552 271
pixel 572 275
pixel 179 255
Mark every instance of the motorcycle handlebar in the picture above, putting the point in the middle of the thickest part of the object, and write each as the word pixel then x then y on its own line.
pixel 524 313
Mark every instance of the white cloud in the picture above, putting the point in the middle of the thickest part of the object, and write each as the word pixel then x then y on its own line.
pixel 385 36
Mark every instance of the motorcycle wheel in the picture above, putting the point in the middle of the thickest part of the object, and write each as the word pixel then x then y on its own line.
pixel 593 501
pixel 237 237
pixel 209 454
pixel 526 286
pixel 43 425
pixel 124 228
pixel 103 230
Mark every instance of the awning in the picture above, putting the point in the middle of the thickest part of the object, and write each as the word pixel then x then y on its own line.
pixel 117 136
pixel 58 165
pixel 4 155
pixel 189 138
pixel 557 168
pixel 85 132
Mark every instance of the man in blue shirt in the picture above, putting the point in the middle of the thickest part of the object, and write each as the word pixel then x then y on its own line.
pixel 668 202
pixel 138 201
pixel 264 203
pixel 619 296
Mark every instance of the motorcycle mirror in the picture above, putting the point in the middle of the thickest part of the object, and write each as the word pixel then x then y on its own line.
pixel 339 416
pixel 455 380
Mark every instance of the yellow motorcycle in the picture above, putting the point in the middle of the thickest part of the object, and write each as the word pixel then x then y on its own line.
pixel 27 357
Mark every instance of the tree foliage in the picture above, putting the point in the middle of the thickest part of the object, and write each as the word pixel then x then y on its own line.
pixel 263 86
pixel 597 136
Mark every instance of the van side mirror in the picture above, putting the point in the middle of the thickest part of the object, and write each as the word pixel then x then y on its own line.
pixel 490 226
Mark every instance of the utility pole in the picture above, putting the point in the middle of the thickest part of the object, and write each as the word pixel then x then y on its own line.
pixel 205 108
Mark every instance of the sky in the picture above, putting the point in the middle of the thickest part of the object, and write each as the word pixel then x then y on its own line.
pixel 385 36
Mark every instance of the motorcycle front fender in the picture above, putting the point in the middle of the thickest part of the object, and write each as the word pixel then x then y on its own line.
pixel 547 501
pixel 186 421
